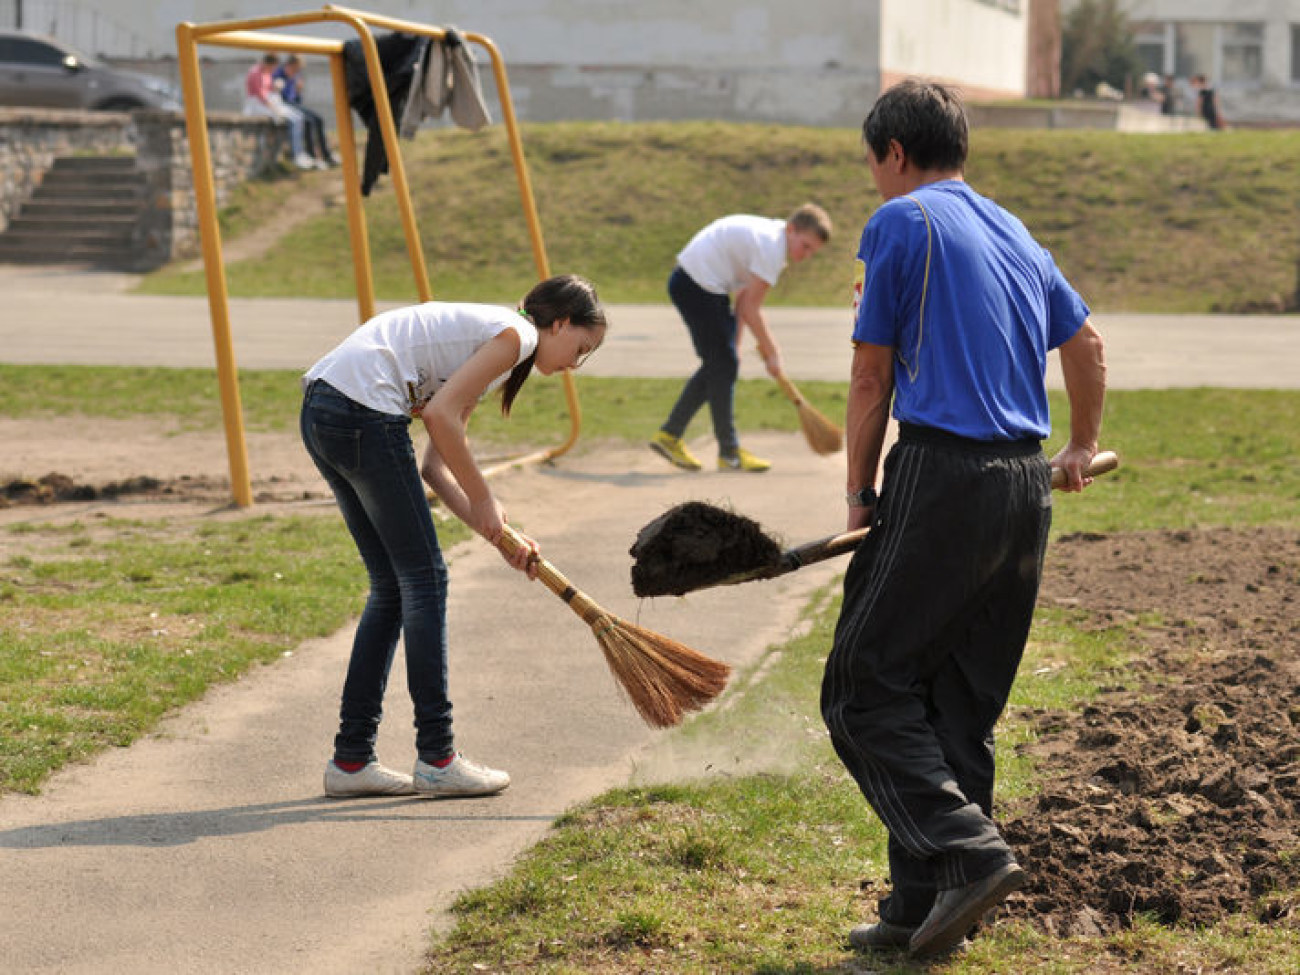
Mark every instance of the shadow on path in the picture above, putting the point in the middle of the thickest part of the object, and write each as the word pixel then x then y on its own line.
pixel 178 829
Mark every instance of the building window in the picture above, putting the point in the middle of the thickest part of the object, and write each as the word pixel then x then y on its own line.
pixel 1242 47
pixel 1194 49
pixel 1295 53
pixel 1154 42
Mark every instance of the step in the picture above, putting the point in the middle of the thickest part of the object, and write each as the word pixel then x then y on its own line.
pixel 43 239
pixel 95 164
pixel 78 178
pixel 56 207
pixel 76 194
pixel 100 256
pixel 60 226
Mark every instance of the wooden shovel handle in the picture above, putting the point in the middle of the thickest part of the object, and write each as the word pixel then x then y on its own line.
pixel 833 545
pixel 1102 463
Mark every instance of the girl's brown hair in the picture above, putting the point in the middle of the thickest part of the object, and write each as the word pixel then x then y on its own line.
pixel 565 296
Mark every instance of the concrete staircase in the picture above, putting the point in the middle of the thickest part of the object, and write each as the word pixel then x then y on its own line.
pixel 87 210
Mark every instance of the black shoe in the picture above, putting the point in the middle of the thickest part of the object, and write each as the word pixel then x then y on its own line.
pixel 882 934
pixel 956 911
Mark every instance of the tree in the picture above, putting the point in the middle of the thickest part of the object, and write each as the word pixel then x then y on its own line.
pixel 1097 44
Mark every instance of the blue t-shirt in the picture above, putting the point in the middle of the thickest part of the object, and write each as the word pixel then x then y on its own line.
pixel 289 91
pixel 994 305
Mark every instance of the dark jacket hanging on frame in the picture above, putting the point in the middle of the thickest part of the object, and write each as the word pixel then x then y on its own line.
pixel 422 78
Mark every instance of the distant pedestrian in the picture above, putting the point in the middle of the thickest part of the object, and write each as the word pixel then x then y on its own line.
pixel 1207 101
pixel 262 97
pixel 1171 101
pixel 735 258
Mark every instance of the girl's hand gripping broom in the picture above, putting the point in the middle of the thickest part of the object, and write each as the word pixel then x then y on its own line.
pixel 823 436
pixel 661 677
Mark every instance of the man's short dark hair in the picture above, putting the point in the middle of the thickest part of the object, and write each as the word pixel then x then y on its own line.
pixel 928 121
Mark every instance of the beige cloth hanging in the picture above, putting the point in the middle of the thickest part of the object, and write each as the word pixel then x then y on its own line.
pixel 447 77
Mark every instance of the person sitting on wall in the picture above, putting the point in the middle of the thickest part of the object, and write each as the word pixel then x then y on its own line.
pixel 288 77
pixel 262 98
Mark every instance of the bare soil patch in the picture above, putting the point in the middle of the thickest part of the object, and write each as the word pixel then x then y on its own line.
pixel 1175 794
pixel 52 461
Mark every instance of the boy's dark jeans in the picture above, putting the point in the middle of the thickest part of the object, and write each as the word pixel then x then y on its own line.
pixel 712 326
pixel 368 461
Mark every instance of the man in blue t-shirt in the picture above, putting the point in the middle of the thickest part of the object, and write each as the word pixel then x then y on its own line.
pixel 956 310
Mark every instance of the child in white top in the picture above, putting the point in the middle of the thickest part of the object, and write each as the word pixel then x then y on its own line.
pixel 434 361
pixel 740 256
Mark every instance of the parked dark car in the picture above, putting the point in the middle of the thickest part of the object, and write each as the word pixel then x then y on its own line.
pixel 40 71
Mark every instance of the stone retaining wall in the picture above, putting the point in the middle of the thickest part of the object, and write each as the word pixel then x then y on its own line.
pixel 242 148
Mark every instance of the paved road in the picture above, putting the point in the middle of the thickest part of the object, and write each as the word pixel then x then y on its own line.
pixel 54 316
pixel 207 847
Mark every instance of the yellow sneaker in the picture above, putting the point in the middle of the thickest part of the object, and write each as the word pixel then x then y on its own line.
pixel 673 450
pixel 743 461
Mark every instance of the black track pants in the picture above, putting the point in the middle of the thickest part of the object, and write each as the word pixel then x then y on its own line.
pixel 937 606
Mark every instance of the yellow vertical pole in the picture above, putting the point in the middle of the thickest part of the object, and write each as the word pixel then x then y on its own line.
pixel 534 225
pixel 352 191
pixel 388 130
pixel 517 154
pixel 205 198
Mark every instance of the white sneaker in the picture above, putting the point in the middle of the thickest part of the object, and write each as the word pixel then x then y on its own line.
pixel 304 161
pixel 372 780
pixel 461 778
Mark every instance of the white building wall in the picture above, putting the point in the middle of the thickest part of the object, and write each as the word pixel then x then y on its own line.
pixel 812 61
pixel 980 44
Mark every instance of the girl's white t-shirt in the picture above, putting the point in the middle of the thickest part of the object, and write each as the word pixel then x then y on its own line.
pixel 722 256
pixel 395 362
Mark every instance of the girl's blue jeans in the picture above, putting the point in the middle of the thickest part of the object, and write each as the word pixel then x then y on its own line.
pixel 712 326
pixel 368 461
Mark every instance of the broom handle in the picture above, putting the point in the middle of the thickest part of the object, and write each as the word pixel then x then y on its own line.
pixel 554 580
pixel 787 387
pixel 833 545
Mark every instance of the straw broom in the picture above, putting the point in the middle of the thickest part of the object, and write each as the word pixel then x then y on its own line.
pixel 661 677
pixel 823 436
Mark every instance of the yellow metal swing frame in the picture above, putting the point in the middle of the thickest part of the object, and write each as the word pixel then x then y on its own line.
pixel 253 35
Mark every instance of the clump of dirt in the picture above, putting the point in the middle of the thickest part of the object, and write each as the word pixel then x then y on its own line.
pixel 1176 793
pixel 55 488
pixel 693 545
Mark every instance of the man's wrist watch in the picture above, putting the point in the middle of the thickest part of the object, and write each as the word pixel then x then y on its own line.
pixel 862 498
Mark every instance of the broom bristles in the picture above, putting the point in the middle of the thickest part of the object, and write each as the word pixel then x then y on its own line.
pixel 823 436
pixel 663 679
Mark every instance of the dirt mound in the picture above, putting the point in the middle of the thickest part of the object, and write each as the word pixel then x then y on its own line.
pixel 693 545
pixel 1176 794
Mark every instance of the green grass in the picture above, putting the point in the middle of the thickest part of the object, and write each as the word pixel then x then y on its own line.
pixel 110 624
pixel 1193 222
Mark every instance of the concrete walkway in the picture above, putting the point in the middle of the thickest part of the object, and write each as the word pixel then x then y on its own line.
pixel 56 316
pixel 207 848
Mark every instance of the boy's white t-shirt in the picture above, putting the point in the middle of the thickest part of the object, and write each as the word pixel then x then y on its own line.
pixel 395 362
pixel 722 256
